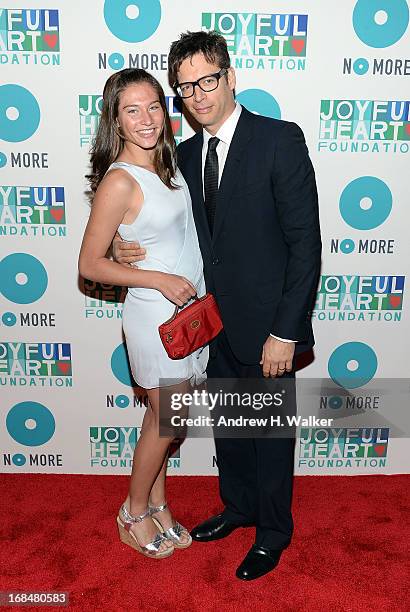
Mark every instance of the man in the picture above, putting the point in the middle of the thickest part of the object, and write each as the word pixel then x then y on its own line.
pixel 255 207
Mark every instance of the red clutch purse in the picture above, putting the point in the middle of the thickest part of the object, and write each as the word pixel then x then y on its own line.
pixel 193 327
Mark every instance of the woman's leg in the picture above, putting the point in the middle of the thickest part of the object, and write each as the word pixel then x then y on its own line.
pixel 149 458
pixel 158 495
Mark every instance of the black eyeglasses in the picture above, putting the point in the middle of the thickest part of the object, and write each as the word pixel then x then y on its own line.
pixel 206 83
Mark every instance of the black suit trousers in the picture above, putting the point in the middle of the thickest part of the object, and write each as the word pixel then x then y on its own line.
pixel 255 474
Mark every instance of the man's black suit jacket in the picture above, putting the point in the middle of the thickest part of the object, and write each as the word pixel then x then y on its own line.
pixel 263 260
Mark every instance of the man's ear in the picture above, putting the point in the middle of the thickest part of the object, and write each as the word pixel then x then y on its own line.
pixel 231 78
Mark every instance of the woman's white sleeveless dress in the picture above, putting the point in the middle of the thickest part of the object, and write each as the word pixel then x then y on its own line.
pixel 165 228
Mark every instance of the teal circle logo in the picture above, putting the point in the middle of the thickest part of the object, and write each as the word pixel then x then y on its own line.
pixel 18 459
pixel 19 113
pixel 9 319
pixel 122 401
pixel 132 20
pixel 30 423
pixel 260 102
pixel 366 203
pixel 361 66
pixel 3 160
pixel 352 364
pixel 23 278
pixel 380 23
pixel 116 61
pixel 120 366
pixel 335 402
pixel 347 246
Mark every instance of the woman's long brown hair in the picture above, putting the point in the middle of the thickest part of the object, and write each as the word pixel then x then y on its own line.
pixel 108 143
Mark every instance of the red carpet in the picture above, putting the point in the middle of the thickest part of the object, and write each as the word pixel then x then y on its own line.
pixel 348 552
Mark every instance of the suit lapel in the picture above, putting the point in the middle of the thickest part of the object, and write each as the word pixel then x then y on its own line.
pixel 229 179
pixel 193 177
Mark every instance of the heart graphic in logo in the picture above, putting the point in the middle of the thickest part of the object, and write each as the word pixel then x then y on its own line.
pixel 64 367
pixel 407 128
pixel 51 40
pixel 57 213
pixel 395 300
pixel 176 124
pixel 380 449
pixel 298 45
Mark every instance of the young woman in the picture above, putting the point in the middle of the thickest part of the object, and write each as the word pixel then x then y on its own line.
pixel 138 191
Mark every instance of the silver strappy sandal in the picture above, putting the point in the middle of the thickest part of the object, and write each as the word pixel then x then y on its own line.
pixel 174 533
pixel 125 520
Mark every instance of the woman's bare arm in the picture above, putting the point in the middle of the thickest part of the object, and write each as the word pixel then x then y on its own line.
pixel 110 205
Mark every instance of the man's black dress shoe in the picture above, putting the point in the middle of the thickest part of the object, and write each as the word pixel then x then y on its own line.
pixel 215 528
pixel 258 562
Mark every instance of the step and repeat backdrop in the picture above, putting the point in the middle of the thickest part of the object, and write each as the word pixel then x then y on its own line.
pixel 338 69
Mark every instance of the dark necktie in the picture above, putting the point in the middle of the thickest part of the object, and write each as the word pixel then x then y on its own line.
pixel 211 174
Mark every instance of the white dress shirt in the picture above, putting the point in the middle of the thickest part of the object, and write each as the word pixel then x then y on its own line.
pixel 225 135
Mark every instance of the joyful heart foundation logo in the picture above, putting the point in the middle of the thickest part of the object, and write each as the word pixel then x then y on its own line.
pixel 360 293
pixel 340 447
pixel 262 40
pixel 29 30
pixel 38 362
pixel 21 205
pixel 375 120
